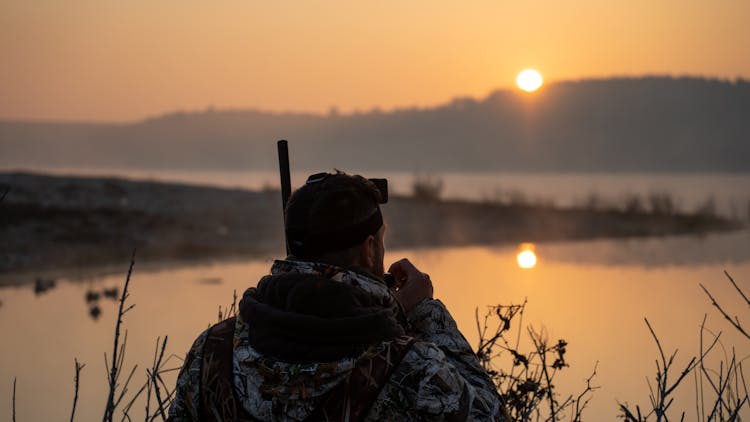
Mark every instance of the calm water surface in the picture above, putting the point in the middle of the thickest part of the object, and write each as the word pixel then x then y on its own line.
pixel 595 295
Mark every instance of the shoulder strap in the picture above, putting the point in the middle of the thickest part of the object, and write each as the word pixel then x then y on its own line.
pixel 351 399
pixel 218 401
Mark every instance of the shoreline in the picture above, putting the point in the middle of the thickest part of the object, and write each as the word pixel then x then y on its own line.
pixel 56 226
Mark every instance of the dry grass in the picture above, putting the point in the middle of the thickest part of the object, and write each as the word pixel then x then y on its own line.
pixel 525 379
pixel 721 391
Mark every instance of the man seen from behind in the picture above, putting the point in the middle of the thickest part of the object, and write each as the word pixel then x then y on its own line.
pixel 324 338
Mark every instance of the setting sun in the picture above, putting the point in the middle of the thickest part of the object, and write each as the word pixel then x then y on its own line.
pixel 529 80
pixel 526 258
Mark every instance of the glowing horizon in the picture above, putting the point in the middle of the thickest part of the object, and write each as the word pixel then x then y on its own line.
pixel 93 61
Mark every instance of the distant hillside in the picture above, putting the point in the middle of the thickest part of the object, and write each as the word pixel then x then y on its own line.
pixel 625 124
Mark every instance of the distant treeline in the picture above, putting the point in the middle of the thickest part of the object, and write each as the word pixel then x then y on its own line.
pixel 623 124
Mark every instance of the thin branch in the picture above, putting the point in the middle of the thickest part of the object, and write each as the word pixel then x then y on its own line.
pixel 580 403
pixel 124 389
pixel 127 407
pixel 79 366
pixel 734 322
pixel 480 333
pixel 148 395
pixel 14 399
pixel 541 349
pixel 656 339
pixel 736 287
pixel 153 375
pixel 114 371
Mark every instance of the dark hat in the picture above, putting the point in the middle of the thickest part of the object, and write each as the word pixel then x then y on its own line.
pixel 332 212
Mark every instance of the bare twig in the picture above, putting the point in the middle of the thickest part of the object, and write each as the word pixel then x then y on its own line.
pixel 584 397
pixel 79 366
pixel 735 322
pixel 230 310
pixel 14 399
pixel 117 363
pixel 736 287
pixel 126 408
pixel 541 347
pixel 154 373
pixel 148 396
pixel 660 394
pixel 526 389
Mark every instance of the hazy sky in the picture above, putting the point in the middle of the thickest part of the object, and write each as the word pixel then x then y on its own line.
pixel 125 60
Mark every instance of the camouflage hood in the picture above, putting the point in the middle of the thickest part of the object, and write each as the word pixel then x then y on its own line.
pixel 300 331
pixel 306 312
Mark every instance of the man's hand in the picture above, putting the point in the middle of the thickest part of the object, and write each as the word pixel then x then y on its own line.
pixel 413 285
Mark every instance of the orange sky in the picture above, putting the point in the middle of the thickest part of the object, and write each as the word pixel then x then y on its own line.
pixel 125 60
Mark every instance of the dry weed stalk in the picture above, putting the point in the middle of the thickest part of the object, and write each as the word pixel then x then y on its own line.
pixel 14 399
pixel 427 187
pixel 231 310
pixel 154 385
pixel 119 359
pixel 720 394
pixel 727 383
pixel 79 366
pixel 734 321
pixel 527 389
pixel 661 395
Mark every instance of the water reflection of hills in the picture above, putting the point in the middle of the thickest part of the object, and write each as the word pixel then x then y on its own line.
pixel 689 250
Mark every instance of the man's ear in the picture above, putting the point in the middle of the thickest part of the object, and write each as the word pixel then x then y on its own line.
pixel 368 246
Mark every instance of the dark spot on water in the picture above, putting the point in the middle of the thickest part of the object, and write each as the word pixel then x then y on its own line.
pixel 42 285
pixel 95 312
pixel 111 293
pixel 92 296
pixel 210 280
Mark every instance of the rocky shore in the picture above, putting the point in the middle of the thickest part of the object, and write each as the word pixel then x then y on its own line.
pixel 57 225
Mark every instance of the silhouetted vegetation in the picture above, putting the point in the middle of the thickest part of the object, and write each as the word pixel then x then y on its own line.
pixel 427 187
pixel 721 391
pixel 525 379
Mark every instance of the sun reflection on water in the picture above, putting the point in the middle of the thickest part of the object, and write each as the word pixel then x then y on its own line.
pixel 526 257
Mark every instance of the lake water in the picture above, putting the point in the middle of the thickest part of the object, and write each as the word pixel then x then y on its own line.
pixel 594 294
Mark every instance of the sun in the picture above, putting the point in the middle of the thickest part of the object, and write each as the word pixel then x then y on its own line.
pixel 529 80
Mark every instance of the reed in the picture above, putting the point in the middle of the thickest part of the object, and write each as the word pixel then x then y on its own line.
pixel 525 379
pixel 524 373
pixel 720 393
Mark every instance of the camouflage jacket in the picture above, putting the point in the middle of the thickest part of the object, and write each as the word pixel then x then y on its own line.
pixel 439 378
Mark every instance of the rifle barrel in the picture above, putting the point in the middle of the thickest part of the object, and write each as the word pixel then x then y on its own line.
pixel 286 179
